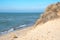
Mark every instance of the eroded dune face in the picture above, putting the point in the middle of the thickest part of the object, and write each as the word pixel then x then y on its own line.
pixel 48 31
pixel 51 12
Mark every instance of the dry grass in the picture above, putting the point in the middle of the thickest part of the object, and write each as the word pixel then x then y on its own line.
pixel 52 12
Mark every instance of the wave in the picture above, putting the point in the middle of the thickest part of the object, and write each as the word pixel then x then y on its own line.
pixel 13 29
pixel 5 32
pixel 21 26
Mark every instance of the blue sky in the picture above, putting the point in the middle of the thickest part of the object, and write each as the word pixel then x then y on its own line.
pixel 24 5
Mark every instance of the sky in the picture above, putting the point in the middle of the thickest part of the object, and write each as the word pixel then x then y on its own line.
pixel 25 5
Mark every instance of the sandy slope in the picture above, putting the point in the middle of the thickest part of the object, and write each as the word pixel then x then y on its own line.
pixel 47 31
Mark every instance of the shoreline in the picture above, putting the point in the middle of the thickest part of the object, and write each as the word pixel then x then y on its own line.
pixel 13 30
pixel 20 29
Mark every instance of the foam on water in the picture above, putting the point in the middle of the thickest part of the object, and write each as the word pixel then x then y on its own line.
pixel 13 29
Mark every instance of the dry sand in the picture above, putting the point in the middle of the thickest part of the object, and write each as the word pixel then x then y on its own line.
pixel 48 31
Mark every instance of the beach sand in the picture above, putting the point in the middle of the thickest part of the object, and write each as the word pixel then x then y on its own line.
pixel 16 33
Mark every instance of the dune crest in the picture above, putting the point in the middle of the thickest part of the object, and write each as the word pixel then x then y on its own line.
pixel 51 12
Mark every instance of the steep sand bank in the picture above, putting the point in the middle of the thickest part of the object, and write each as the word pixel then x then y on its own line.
pixel 51 12
pixel 47 31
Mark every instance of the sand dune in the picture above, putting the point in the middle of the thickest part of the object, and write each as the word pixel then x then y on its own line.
pixel 47 31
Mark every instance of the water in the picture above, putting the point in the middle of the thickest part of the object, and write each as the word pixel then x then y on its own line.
pixel 12 21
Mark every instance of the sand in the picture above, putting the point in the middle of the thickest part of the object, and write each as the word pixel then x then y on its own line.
pixel 48 31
